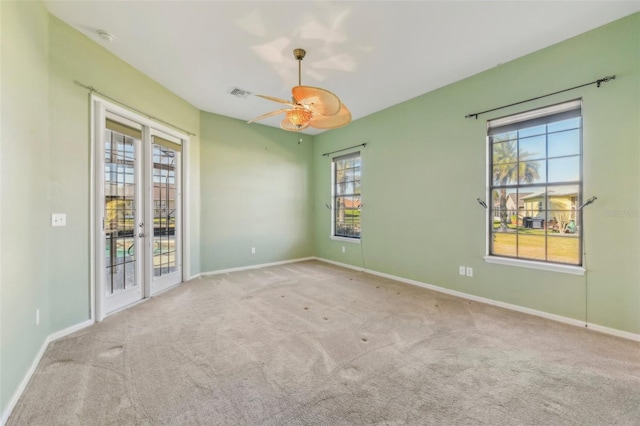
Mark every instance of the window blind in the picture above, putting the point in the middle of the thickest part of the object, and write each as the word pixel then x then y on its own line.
pixel 536 117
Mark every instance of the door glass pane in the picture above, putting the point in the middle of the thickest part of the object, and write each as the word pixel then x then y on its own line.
pixel 119 215
pixel 164 210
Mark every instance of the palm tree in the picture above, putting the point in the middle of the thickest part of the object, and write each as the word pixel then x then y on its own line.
pixel 508 167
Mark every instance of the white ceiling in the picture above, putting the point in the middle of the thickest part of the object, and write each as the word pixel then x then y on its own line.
pixel 372 54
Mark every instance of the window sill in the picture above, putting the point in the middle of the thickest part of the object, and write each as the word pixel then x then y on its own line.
pixel 530 264
pixel 345 239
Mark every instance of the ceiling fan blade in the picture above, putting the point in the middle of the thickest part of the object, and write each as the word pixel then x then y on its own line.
pixel 269 114
pixel 318 100
pixel 333 121
pixel 280 101
pixel 289 126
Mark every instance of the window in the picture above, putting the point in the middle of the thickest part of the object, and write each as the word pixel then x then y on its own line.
pixel 535 185
pixel 346 196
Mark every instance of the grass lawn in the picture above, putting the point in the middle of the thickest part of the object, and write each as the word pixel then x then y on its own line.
pixel 531 245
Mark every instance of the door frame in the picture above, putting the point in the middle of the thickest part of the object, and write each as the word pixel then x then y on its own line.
pixel 98 106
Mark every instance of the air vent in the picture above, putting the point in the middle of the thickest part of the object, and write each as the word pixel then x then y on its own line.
pixel 238 92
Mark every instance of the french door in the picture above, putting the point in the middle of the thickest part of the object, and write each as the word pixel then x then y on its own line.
pixel 138 208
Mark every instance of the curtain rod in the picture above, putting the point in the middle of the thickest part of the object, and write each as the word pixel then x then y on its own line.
pixel 94 90
pixel 340 150
pixel 598 82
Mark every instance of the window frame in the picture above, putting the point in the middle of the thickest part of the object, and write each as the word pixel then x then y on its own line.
pixel 334 160
pixel 514 120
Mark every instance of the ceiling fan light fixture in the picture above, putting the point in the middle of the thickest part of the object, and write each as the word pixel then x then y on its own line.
pixel 309 106
pixel 299 116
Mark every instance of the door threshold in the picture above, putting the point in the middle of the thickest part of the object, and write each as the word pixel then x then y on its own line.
pixel 164 290
pixel 137 302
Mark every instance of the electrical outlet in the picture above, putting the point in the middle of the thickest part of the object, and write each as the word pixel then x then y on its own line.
pixel 462 270
pixel 58 219
pixel 344 249
pixel 37 316
pixel 469 271
pixel 253 250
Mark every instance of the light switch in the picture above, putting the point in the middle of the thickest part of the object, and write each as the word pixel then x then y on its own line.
pixel 58 219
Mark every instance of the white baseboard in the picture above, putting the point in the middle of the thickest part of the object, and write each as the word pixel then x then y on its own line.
pixel 344 265
pixel 23 384
pixel 244 268
pixel 25 381
pixel 613 332
pixel 546 315
pixel 67 331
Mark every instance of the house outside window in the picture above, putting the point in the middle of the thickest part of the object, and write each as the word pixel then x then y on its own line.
pixel 346 196
pixel 535 185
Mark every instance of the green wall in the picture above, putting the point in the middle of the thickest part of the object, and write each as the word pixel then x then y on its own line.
pixel 24 197
pixel 425 164
pixel 256 192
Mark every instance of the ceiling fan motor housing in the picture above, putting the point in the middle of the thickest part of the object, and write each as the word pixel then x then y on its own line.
pixel 299 54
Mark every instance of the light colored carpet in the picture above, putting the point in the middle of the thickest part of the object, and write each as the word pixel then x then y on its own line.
pixel 314 344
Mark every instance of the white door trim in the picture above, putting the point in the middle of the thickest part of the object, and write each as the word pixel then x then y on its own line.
pixel 98 106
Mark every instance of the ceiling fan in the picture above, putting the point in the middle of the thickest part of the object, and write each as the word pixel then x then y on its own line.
pixel 309 106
